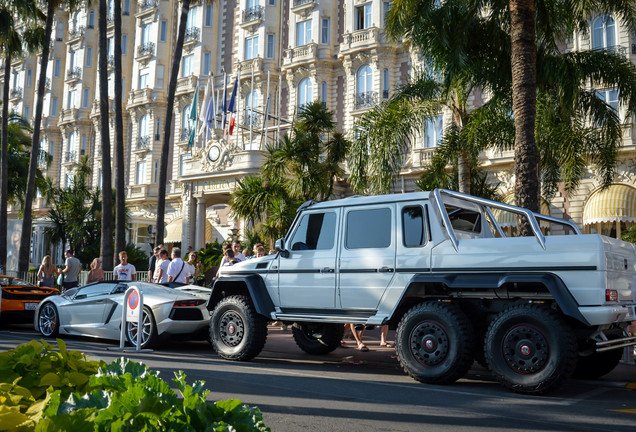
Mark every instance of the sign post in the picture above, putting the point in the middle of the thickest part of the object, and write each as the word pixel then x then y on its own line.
pixel 132 312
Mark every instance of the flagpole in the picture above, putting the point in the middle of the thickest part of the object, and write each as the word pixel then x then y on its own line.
pixel 251 107
pixel 238 104
pixel 224 102
pixel 264 130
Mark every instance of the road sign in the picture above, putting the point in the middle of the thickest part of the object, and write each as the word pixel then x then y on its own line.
pixel 133 306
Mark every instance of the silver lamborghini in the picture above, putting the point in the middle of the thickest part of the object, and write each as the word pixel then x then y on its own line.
pixel 96 309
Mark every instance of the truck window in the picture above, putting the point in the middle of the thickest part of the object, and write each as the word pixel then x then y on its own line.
pixel 413 232
pixel 464 220
pixel 369 228
pixel 315 231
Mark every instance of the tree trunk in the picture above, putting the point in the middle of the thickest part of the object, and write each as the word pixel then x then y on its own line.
pixel 120 187
pixel 167 133
pixel 463 174
pixel 106 247
pixel 524 98
pixel 27 218
pixel 4 165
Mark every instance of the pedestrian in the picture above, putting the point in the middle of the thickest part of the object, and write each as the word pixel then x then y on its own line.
pixel 124 271
pixel 236 248
pixel 46 273
pixel 153 261
pixel 96 274
pixel 260 252
pixel 161 270
pixel 71 270
pixel 193 266
pixel 178 270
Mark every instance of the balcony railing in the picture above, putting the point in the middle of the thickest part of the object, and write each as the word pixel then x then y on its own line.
pixel 142 142
pixel 185 134
pixel 15 93
pixel 146 49
pixel 74 73
pixel 251 119
pixel 76 32
pixel 253 13
pixel 303 2
pixel 146 4
pixel 111 61
pixel 366 100
pixel 70 156
pixel 192 34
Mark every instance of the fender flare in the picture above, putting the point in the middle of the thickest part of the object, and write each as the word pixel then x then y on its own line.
pixel 443 282
pixel 256 290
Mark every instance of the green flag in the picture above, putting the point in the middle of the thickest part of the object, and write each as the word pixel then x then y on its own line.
pixel 193 118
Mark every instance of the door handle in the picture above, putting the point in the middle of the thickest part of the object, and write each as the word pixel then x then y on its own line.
pixel 326 270
pixel 385 269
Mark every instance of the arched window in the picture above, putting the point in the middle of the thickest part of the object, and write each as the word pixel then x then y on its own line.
pixel 304 92
pixel 603 32
pixel 364 88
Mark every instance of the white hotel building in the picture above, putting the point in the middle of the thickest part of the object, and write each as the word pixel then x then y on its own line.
pixel 286 53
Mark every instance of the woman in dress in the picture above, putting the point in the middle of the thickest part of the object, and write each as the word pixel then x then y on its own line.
pixel 96 274
pixel 47 272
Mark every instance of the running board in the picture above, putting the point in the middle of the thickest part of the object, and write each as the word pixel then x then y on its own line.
pixel 336 319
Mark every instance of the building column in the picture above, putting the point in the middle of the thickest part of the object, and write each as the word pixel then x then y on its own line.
pixel 192 203
pixel 201 222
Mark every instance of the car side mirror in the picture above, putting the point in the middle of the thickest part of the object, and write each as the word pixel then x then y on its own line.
pixel 280 248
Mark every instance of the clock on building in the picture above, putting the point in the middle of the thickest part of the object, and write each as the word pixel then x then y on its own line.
pixel 214 153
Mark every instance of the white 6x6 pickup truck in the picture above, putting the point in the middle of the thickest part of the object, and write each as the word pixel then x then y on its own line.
pixel 439 268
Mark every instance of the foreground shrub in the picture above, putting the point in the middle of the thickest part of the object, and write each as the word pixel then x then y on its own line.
pixel 119 396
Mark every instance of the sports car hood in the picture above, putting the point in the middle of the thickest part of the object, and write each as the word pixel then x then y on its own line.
pixel 196 290
pixel 261 264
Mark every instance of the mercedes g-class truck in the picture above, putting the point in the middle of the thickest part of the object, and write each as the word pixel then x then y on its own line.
pixel 437 267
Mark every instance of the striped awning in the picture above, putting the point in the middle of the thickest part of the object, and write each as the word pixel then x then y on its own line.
pixel 174 231
pixel 508 219
pixel 616 203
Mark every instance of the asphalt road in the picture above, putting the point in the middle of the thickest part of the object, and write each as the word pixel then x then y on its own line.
pixel 352 391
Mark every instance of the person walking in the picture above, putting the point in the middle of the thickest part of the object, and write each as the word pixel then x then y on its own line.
pixel 152 262
pixel 161 268
pixel 193 266
pixel 178 270
pixel 47 272
pixel 124 271
pixel 96 274
pixel 71 271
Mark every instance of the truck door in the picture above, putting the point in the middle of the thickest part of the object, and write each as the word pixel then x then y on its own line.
pixel 307 278
pixel 367 255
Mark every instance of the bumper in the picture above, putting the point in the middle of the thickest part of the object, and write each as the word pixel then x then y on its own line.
pixel 600 315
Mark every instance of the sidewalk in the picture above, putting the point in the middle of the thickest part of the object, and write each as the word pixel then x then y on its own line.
pixel 282 342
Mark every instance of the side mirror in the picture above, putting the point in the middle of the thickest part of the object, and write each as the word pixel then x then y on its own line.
pixel 280 248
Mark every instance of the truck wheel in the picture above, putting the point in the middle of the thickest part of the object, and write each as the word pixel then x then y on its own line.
pixel 237 332
pixel 598 364
pixel 317 338
pixel 530 349
pixel 434 342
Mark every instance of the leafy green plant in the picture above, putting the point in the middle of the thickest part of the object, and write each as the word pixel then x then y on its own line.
pixel 211 255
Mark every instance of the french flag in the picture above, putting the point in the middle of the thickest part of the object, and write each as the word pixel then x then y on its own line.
pixel 232 107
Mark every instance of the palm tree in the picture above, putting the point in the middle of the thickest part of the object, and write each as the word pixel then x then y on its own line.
pixel 27 219
pixel 18 26
pixel 106 251
pixel 120 191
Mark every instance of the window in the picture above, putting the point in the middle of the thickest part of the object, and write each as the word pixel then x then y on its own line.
pixel 163 33
pixel 143 79
pixel 433 131
pixel 161 69
pixel 272 2
pixel 86 98
pixel 385 10
pixel 140 175
pixel 186 65
pixel 54 107
pixel 185 120
pixel 73 59
pixel 72 137
pixel 413 231
pixel 270 46
pixel 207 63
pixel 52 148
pixel 68 180
pixel 251 102
pixel 91 19
pixel 59 32
pixel 304 92
pixel 360 223
pixel 83 146
pixel 323 93
pixel 29 77
pixel 158 130
pixel 610 97
pixel 71 99
pixel 155 178
pixel 363 16
pixel 100 179
pixel 109 47
pixel 57 67
pixel 192 18
pixel 27 112
pixel 465 220
pixel 364 81
pixel 208 15
pixel 124 44
pixel 385 84
pixel 145 33
pixel 251 47
pixel 89 56
pixel 143 126
pixel 126 8
pixel 182 160
pixel 603 32
pixel 315 232
pixel 303 33
pixel 325 31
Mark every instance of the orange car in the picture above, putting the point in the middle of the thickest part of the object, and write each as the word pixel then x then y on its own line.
pixel 20 297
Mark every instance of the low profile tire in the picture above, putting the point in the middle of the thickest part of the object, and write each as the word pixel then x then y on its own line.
pixel 48 320
pixel 530 349
pixel 598 364
pixel 237 332
pixel 317 338
pixel 434 343
pixel 149 330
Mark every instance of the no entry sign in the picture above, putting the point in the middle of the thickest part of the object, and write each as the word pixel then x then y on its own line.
pixel 133 308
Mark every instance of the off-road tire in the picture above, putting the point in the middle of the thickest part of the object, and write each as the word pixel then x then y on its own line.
pixel 530 349
pixel 49 320
pixel 317 338
pixel 237 332
pixel 434 343
pixel 598 364
pixel 149 336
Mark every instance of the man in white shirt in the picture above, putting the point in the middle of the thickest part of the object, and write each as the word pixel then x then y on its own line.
pixel 161 270
pixel 178 271
pixel 236 248
pixel 124 271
